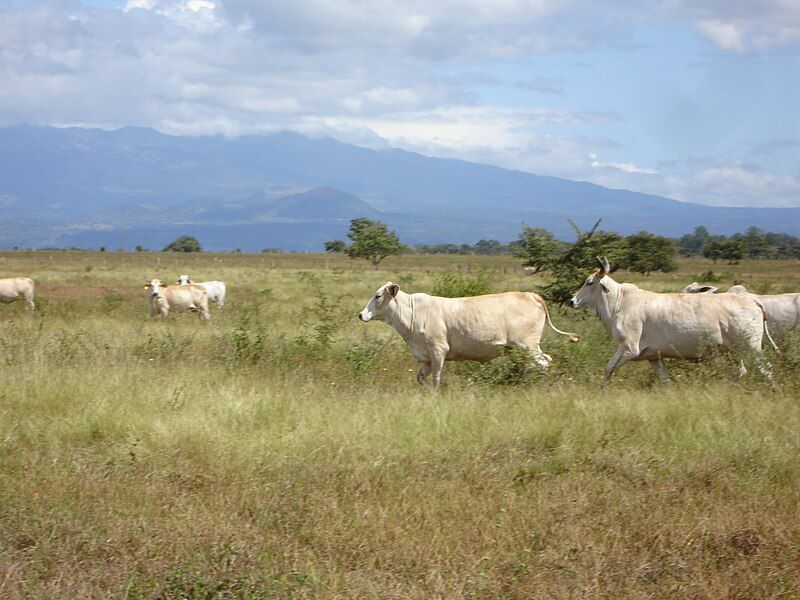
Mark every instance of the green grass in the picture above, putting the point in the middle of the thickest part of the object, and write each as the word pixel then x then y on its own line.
pixel 285 450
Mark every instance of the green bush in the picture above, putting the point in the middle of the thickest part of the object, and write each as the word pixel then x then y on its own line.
pixel 515 367
pixel 248 342
pixel 458 285
pixel 708 277
pixel 361 358
pixel 185 243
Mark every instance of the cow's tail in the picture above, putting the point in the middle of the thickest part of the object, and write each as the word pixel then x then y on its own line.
pixel 766 328
pixel 573 337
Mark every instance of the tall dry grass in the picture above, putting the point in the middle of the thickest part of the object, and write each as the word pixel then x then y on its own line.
pixel 284 449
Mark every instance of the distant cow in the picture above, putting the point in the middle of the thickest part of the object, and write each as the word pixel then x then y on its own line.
pixel 530 270
pixel 15 288
pixel 475 328
pixel 783 310
pixel 650 326
pixel 164 298
pixel 216 289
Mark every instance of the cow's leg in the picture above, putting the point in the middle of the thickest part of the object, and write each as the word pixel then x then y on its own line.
pixel 531 344
pixel 742 369
pixel 28 295
pixel 622 356
pixel 205 315
pixel 437 364
pixel 763 366
pixel 541 359
pixel 753 346
pixel 660 370
pixel 422 374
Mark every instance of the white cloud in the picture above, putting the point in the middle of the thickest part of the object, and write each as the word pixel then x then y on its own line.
pixel 628 167
pixel 369 73
pixel 197 5
pixel 727 36
pixel 740 26
pixel 732 183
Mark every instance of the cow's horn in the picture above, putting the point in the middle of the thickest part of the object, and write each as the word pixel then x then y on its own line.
pixel 603 267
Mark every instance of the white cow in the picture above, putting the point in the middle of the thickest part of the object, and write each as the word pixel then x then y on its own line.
pixel 14 288
pixel 163 298
pixel 475 328
pixel 216 289
pixel 650 326
pixel 783 310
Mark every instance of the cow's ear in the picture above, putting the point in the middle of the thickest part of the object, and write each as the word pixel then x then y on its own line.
pixel 706 289
pixel 393 289
pixel 604 285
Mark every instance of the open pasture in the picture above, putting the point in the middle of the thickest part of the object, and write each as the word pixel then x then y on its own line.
pixel 284 449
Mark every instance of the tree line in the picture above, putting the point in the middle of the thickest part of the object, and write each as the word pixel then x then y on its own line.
pixel 753 243
pixel 568 263
pixel 540 251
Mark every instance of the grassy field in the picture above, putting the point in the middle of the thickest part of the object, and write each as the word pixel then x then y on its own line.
pixel 285 450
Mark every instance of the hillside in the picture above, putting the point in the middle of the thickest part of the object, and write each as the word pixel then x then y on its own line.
pixel 82 187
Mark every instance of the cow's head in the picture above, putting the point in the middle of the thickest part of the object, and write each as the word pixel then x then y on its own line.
pixel 379 303
pixel 183 280
pixel 154 285
pixel 697 288
pixel 594 286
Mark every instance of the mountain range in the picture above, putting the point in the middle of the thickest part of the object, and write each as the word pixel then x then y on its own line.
pixel 137 186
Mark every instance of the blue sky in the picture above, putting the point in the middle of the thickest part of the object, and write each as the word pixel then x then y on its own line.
pixel 692 100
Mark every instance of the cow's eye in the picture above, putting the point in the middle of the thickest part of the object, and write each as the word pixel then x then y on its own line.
pixel 377 296
pixel 589 282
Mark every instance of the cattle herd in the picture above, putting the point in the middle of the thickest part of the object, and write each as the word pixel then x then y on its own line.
pixel 644 325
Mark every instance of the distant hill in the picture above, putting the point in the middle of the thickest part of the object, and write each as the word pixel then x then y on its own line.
pixel 84 187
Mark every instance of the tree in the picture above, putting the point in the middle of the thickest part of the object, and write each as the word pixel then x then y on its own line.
pixel 139 248
pixel 571 267
pixel 724 249
pixel 490 247
pixel 646 253
pixel 732 251
pixel 692 244
pixel 372 241
pixel 755 243
pixel 185 243
pixel 335 246
pixel 537 248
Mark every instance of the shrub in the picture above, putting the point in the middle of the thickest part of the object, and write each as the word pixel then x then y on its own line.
pixel 185 243
pixel 335 246
pixel 708 277
pixel 458 285
pixel 536 247
pixel 248 342
pixel 361 358
pixel 580 259
pixel 515 367
pixel 646 253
